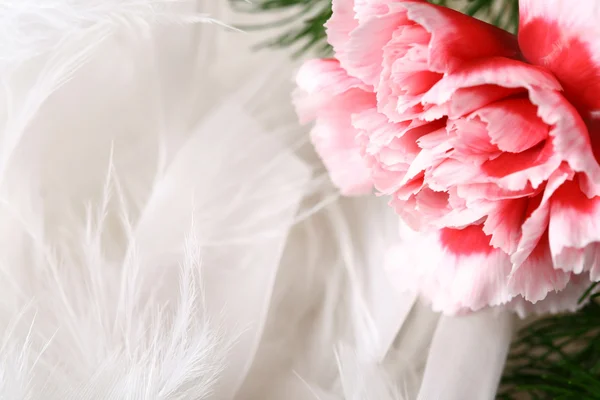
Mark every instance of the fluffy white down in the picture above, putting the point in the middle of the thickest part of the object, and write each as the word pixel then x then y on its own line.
pixel 166 232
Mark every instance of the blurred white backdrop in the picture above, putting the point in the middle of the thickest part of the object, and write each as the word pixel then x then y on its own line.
pixel 168 233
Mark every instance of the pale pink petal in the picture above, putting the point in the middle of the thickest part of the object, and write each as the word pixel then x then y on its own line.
pixel 497 71
pixel 536 276
pixel 574 225
pixel 570 136
pixel 431 205
pixel 377 130
pixel 402 48
pixel 339 26
pixel 405 76
pixel 538 216
pixel 479 183
pixel 410 219
pixel 570 139
pixel 513 124
pixel 323 87
pixel 375 136
pixel 435 210
pixel 511 172
pixel 367 8
pixel 468 99
pixel 504 222
pixel 459 217
pixel 328 95
pixel 491 192
pixel 564 37
pixel 470 140
pixel 326 74
pixel 363 56
pixel 433 147
pixel 480 83
pixel 578 260
pixel 438 135
pixel 386 180
pixel 450 173
pixel 393 150
pixel 346 17
pixel 592 258
pixel 454 269
pixel 517 171
pixel 334 142
pixel 555 302
pixel 452 33
pixel 321 81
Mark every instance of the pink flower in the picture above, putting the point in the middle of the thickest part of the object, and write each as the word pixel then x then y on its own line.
pixel 487 144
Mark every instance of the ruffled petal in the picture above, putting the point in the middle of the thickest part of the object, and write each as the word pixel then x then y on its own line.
pixel 538 216
pixel 470 139
pixel 334 142
pixel 321 81
pixel 403 48
pixel 465 100
pixel 503 223
pixel 406 75
pixel 454 269
pixel 574 229
pixel 570 137
pixel 328 95
pixel 536 276
pixel 452 33
pixel 592 258
pixel 513 125
pixel 555 302
pixel 502 72
pixel 363 55
pixel 564 37
pixel 392 149
pixel 515 171
pixel 339 26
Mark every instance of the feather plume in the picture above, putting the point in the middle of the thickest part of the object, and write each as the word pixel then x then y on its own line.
pixel 124 218
pixel 166 231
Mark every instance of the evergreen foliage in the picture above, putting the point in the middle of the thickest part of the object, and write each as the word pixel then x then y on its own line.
pixel 302 26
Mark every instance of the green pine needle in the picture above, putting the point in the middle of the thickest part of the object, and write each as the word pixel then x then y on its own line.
pixel 556 358
pixel 303 28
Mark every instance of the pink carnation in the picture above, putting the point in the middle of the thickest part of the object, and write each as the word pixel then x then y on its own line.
pixel 486 143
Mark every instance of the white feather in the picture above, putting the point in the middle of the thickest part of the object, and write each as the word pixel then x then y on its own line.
pixel 467 356
pixel 166 231
pixel 101 299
